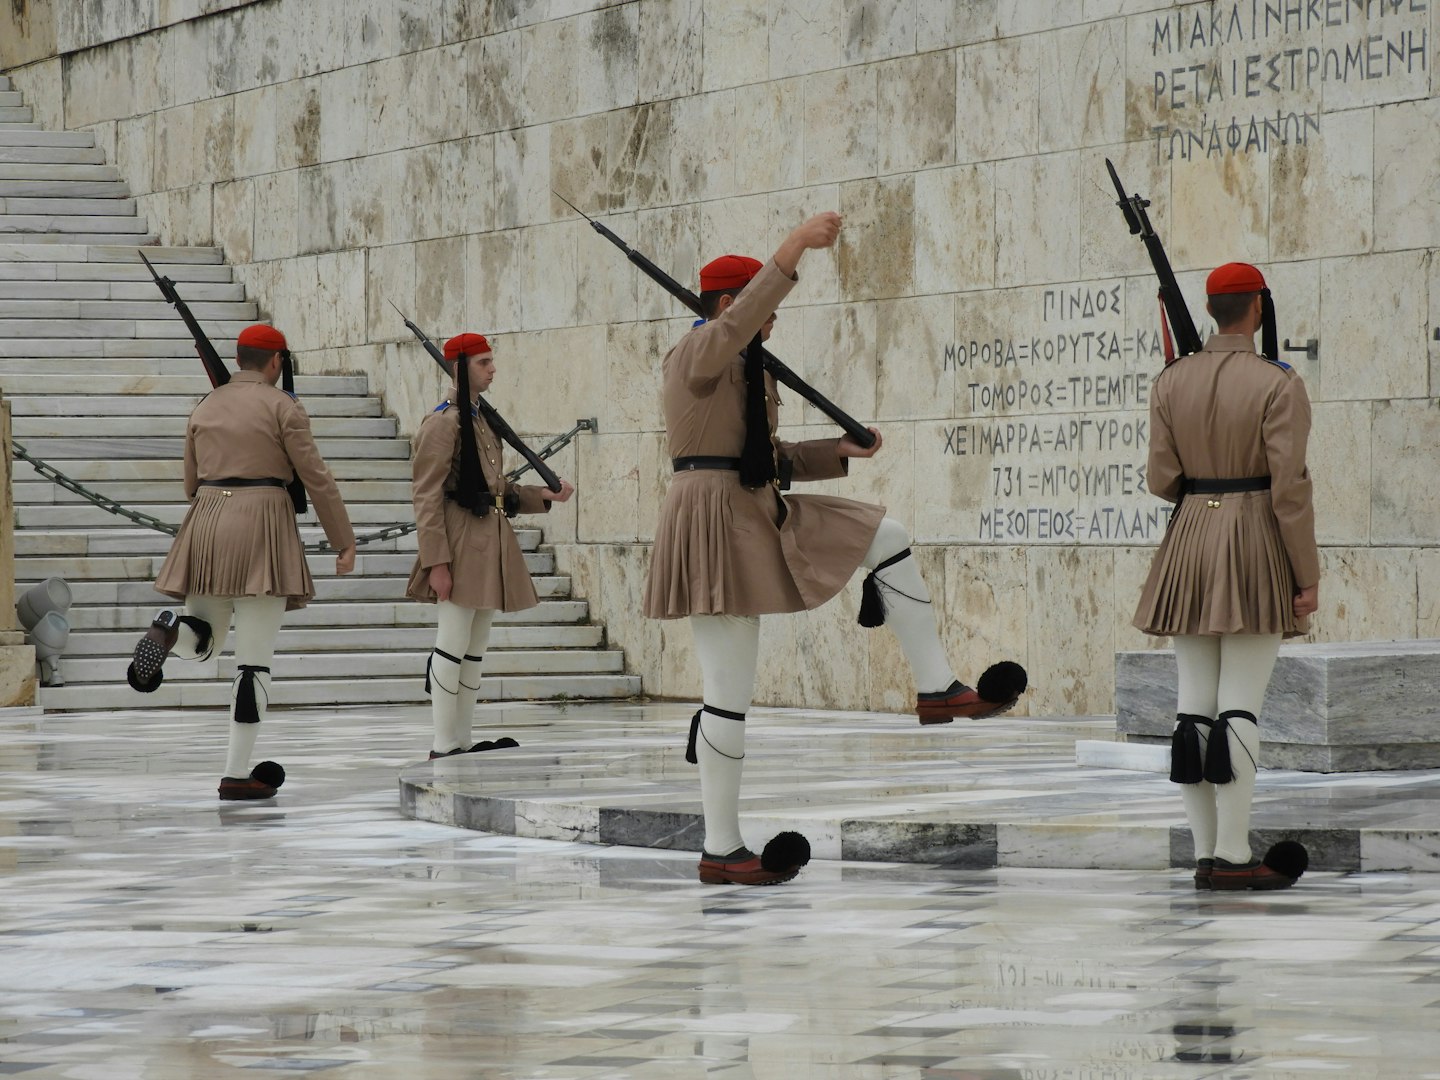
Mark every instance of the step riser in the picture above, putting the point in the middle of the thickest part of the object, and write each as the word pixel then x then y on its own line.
pixel 107 311
pixel 175 406
pixel 394 494
pixel 73 251
pixel 27 428
pixel 48 155
pixel 66 206
pixel 63 328
pixel 316 614
pixel 412 639
pixel 65 449
pixel 99 472
pixel 13 223
pixel 110 671
pixel 68 139
pixel 74 189
pixel 196 294
pixel 305 385
pixel 353 587
pixel 38 269
pixel 42 241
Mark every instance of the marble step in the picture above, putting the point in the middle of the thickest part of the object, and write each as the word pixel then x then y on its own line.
pixel 300 692
pixel 22 137
pixel 48 155
pixel 79 543
pixel 43 239
pixel 364 516
pixel 196 294
pixel 11 99
pixel 15 114
pixel 46 206
pixel 81 252
pixel 101 426
pixel 109 310
pixel 4 82
pixel 97 472
pixel 360 664
pixel 113 224
pixel 306 386
pixel 61 449
pixel 217 330
pixel 172 405
pixel 59 171
pixel 357 613
pixel 185 275
pixel 64 189
pixel 396 493
pixel 356 639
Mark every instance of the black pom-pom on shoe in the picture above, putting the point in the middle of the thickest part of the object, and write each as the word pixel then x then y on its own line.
pixel 269 773
pixel 505 743
pixel 1288 857
pixel 143 687
pixel 1004 681
pixel 785 851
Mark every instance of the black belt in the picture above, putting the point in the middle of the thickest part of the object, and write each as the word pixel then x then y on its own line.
pixel 245 481
pixel 684 464
pixel 482 498
pixel 1224 487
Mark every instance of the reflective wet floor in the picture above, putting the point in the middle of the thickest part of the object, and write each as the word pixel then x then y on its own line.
pixel 149 931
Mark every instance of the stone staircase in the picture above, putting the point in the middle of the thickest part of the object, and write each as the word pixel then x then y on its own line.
pixel 101 374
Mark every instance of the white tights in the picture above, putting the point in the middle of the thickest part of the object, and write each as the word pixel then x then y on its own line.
pixel 257 621
pixel 728 647
pixel 463 633
pixel 1218 674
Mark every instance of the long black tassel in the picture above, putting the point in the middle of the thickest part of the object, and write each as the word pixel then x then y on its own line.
pixel 471 483
pixel 1187 763
pixel 247 710
pixel 296 487
pixel 757 459
pixel 1269 335
pixel 1218 767
pixel 872 601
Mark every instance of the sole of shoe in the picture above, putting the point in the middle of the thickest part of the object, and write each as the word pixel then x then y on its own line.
pixel 720 876
pixel 996 709
pixel 247 794
pixel 149 659
pixel 1270 883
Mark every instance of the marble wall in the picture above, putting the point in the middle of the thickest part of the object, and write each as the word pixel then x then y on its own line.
pixel 17 660
pixel 985 305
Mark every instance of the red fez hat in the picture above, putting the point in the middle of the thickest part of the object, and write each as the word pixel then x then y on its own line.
pixel 469 344
pixel 1234 278
pixel 261 336
pixel 728 272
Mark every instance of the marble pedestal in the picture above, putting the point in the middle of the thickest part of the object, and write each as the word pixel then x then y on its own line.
pixel 1342 707
pixel 17 670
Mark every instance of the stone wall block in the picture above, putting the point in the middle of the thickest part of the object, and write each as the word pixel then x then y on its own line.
pixel 1407 204
pixel 321 208
pixel 654 480
pixel 737 225
pixel 276 215
pixel 876 249
pixel 840 361
pixel 671 238
pixel 997 88
pixel 522 177
pixel 1373 357
pixel 915 122
pixel 736 45
pixel 254 131
pixel 182 216
pixel 819 270
pixel 840 124
pixel 608 58
pixel 1321 191
pixel 28 33
pixel 1219 211
pixel 494 83
pixel 631 401
pixel 980 606
pixel 1366 594
pixel 805 37
pixel 135 153
pixel 494 285
pixel 348 107
pixel 702 166
pixel 553 55
pixel 551 280
pixel 1037 219
pixel 440 286
pixel 1339 457
pixel 609 491
pixel 671 60
pixel 638 156
pixel 1404 506
pixel 390 279
pixel 1132 568
pixel 769 140
pixel 1106 244
pixel 573 360
pixel 298 123
pixel 1070 588
pixel 235 219
pixel 679 675
pixel 175 158
pixel 1082 87
pixel 955 240
pixel 878 29
pixel 956 486
pixel 912 379
pixel 1399 56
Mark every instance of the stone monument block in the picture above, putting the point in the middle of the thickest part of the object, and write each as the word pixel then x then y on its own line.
pixel 17 660
pixel 1339 707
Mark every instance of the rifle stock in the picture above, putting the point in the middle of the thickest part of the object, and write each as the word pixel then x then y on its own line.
pixel 1187 338
pixel 497 423
pixel 782 373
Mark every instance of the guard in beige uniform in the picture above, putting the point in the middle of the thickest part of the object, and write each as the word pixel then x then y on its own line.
pixel 730 548
pixel 238 550
pixel 470 564
pixel 1238 569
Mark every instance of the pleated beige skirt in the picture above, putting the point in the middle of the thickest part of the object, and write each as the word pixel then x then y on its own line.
pixel 723 549
pixel 1221 570
pixel 245 543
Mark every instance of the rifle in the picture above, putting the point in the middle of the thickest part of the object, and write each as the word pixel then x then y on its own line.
pixel 487 411
pixel 1187 338
pixel 773 364
pixel 215 367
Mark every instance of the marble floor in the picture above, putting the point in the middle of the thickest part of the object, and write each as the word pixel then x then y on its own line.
pixel 148 931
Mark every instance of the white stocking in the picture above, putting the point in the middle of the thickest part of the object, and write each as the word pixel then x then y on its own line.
pixel 257 621
pixel 470 673
pixel 1197 662
pixel 452 639
pixel 908 611
pixel 729 649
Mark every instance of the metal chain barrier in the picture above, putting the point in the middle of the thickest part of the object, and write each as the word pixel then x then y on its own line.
pixel 392 532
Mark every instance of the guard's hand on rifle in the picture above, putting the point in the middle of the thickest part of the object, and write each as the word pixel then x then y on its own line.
pixel 850 448
pixel 566 490
pixel 1307 601
pixel 345 560
pixel 441 581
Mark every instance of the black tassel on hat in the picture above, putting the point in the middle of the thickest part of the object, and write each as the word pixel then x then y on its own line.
pixel 1187 763
pixel 247 710
pixel 757 459
pixel 1269 336
pixel 471 483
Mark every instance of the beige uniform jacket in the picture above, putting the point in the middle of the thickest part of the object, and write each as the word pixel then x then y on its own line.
pixel 486 563
pixel 1230 563
pixel 721 548
pixel 243 541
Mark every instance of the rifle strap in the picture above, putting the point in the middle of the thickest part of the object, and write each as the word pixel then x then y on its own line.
pixel 1165 333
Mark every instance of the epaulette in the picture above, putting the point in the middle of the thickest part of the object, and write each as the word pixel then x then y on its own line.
pixel 290 395
pixel 442 406
pixel 1281 364
pixel 698 322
